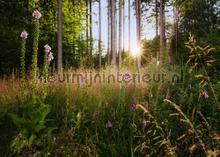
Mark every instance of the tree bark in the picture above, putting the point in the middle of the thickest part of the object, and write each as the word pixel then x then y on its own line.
pixel 60 49
pixel 100 35
pixel 138 29
pixel 113 33
pixel 156 18
pixel 90 31
pixel 123 25
pixel 162 30
pixel 109 33
pixel 156 28
pixel 120 33
pixel 87 27
pixel 129 26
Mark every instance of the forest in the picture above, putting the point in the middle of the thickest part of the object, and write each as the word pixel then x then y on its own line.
pixel 110 78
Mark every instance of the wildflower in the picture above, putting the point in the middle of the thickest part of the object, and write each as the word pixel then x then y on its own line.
pixel 134 105
pixel 176 13
pixel 24 35
pixel 126 76
pixel 168 96
pixel 36 14
pixel 108 125
pixel 47 48
pixel 205 94
pixel 50 57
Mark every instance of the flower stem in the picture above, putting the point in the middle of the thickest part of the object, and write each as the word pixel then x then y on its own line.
pixel 34 55
pixel 22 64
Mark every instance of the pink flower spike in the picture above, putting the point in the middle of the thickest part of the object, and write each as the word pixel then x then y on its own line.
pixel 126 76
pixel 205 94
pixel 108 125
pixel 24 35
pixel 134 105
pixel 36 14
pixel 47 48
pixel 50 57
pixel 168 97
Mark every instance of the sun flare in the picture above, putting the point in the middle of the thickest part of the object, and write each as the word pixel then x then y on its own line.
pixel 135 51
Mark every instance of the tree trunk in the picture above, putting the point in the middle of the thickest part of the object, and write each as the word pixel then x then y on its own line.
pixel 156 18
pixel 100 35
pixel 87 27
pixel 120 33
pixel 109 33
pixel 90 31
pixel 129 26
pixel 123 25
pixel 156 28
pixel 113 33
pixel 60 49
pixel 138 29
pixel 162 30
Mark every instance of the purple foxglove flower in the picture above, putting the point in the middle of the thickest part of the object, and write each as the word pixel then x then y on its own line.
pixel 168 96
pixel 126 76
pixel 134 105
pixel 36 14
pixel 205 94
pixel 50 57
pixel 108 125
pixel 47 48
pixel 24 35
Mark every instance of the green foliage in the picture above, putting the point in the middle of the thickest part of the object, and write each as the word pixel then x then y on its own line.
pixel 150 49
pixel 20 18
pixel 198 16
pixel 31 122
pixel 185 125
pixel 201 60
pixel 13 20
pixel 200 57
pixel 171 119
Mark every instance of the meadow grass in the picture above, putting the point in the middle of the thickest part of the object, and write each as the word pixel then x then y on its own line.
pixel 109 119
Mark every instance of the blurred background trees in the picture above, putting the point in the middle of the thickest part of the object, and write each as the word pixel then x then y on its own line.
pixel 201 17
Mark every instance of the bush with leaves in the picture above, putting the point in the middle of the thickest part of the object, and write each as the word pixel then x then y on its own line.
pixel 32 125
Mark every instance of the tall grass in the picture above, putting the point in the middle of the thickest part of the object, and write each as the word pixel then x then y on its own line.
pixel 79 114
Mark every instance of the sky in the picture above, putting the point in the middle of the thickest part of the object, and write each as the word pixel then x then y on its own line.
pixel 148 31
